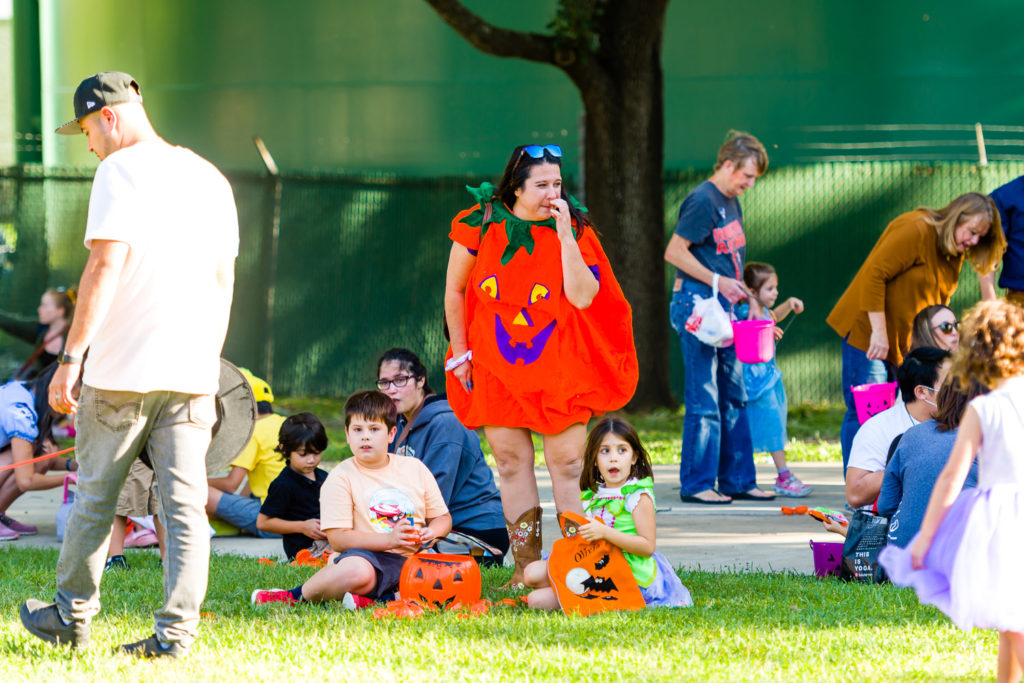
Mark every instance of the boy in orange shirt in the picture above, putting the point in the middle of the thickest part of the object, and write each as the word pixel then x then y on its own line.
pixel 376 509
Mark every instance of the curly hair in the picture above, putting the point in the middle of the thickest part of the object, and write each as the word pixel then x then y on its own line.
pixel 991 344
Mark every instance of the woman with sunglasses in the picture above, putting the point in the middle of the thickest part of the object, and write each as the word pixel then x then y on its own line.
pixel 915 263
pixel 936 326
pixel 541 335
pixel 428 430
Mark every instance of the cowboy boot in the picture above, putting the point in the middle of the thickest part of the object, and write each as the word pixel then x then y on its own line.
pixel 525 543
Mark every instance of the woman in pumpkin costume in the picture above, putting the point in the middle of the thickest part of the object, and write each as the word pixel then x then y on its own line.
pixel 541 334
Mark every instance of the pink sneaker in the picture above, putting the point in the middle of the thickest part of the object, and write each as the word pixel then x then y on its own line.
pixel 792 487
pixel 262 597
pixel 17 527
pixel 140 538
pixel 7 533
pixel 353 602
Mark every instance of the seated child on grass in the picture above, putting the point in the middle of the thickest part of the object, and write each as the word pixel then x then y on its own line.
pixel 292 505
pixel 376 509
pixel 618 488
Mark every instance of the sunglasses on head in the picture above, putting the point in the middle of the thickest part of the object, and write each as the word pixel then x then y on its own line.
pixel 537 152
pixel 947 327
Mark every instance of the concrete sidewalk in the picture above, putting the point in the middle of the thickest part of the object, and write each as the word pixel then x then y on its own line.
pixel 743 535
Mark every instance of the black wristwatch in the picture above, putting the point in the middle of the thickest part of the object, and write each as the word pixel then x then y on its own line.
pixel 66 359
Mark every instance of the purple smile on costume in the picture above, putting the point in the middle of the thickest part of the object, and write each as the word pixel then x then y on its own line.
pixel 527 352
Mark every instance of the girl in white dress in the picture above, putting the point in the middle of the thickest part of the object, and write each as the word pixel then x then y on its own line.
pixel 967 558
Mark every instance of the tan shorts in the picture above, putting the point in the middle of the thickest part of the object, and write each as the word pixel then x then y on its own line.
pixel 138 497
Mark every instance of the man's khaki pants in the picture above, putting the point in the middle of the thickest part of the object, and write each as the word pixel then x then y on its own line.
pixel 113 428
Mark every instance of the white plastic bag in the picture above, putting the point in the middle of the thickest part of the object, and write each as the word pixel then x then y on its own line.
pixel 709 322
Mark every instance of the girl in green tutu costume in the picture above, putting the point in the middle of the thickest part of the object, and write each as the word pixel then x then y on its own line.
pixel 618 489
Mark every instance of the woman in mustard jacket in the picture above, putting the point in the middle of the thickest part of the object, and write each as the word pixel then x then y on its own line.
pixel 915 263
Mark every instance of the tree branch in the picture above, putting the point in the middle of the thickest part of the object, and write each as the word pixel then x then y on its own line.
pixel 492 39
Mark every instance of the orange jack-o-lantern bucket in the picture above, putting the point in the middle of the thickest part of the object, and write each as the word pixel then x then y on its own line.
pixel 439 580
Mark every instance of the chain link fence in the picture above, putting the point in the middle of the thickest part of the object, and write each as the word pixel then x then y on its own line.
pixel 334 270
pixel 816 224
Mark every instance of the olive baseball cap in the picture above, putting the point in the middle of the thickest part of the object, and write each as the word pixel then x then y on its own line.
pixel 102 90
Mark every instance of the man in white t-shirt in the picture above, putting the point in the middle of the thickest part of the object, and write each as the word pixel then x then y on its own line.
pixel 152 312
pixel 919 377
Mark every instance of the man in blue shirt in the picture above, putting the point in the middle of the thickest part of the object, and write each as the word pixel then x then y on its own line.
pixel 1009 200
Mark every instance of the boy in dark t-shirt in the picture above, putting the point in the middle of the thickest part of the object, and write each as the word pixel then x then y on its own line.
pixel 292 506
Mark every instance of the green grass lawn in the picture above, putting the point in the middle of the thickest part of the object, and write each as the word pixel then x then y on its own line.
pixel 744 626
pixel 813 431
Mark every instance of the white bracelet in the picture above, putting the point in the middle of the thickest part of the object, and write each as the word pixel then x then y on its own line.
pixel 456 362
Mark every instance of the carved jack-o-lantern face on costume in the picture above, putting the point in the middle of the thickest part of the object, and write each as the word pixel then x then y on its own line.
pixel 538 361
pixel 439 580
pixel 524 317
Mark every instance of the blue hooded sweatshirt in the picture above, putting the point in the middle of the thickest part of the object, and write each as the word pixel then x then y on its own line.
pixel 452 454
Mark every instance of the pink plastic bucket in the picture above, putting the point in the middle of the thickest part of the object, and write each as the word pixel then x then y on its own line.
pixel 827 558
pixel 755 340
pixel 871 399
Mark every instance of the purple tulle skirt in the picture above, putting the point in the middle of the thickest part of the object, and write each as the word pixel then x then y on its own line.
pixel 973 569
pixel 666 590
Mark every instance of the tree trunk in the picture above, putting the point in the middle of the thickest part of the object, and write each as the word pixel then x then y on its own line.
pixel 624 131
pixel 621 84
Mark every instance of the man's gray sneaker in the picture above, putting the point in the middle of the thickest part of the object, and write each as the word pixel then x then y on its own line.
pixel 152 647
pixel 43 621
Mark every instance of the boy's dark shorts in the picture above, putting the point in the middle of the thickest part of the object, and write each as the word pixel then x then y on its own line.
pixel 387 566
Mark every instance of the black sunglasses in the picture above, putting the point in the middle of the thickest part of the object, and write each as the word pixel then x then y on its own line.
pixel 947 327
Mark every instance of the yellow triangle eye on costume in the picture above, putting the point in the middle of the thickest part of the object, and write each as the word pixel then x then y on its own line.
pixel 490 285
pixel 539 292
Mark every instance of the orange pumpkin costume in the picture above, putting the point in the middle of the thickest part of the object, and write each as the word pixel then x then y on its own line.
pixel 538 361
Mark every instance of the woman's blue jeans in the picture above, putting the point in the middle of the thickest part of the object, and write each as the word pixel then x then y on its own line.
pixel 857 369
pixel 716 434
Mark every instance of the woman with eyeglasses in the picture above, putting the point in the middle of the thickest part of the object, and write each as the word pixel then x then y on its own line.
pixel 936 326
pixel 428 430
pixel 541 334
pixel 46 332
pixel 915 263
